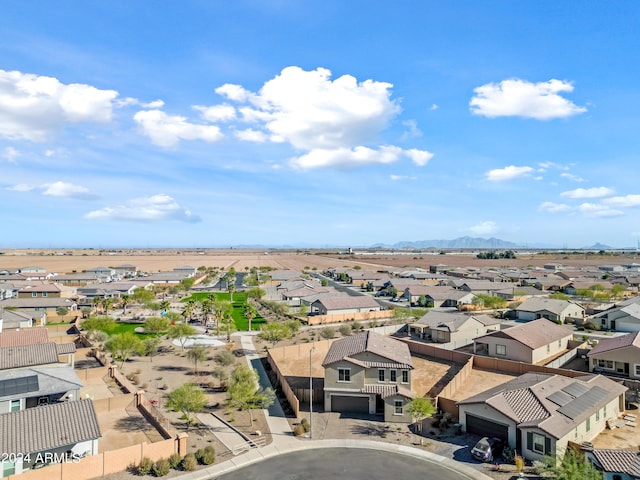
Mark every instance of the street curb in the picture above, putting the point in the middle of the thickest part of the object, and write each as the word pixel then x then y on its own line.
pixel 258 455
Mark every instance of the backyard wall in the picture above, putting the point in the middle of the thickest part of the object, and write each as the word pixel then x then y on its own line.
pixel 348 317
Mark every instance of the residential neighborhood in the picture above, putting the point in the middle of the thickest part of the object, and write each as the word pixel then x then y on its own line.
pixel 542 371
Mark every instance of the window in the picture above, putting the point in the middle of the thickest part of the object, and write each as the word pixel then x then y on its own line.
pixel 501 349
pixel 608 364
pixel 8 468
pixel 588 423
pixel 538 443
pixel 344 374
pixel 548 348
pixel 15 405
pixel 44 294
pixel 34 294
pixel 603 322
pixel 559 343
pixel 598 415
pixel 604 411
pixel 381 375
pixel 405 376
pixel 397 407
pixel 393 376
pixel 636 369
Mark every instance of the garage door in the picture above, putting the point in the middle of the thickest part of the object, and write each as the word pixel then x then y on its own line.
pixel 343 403
pixel 486 428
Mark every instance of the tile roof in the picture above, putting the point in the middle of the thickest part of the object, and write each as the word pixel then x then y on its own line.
pixel 345 348
pixel 28 355
pixel 618 461
pixel 345 302
pixel 26 336
pixel 386 391
pixel 533 334
pixel 553 403
pixel 615 343
pixel 553 305
pixel 44 428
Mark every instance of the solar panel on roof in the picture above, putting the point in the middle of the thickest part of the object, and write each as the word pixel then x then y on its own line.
pixel 576 389
pixel 560 398
pixel 583 403
pixel 17 386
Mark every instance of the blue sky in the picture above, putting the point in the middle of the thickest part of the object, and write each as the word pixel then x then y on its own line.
pixel 316 123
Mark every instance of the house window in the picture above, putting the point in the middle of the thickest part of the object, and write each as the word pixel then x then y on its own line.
pixel 381 375
pixel 548 348
pixel 588 428
pixel 15 405
pixel 538 443
pixel 636 369
pixel 608 364
pixel 393 376
pixel 405 376
pixel 603 322
pixel 397 407
pixel 559 343
pixel 44 294
pixel 344 374
pixel 8 468
pixel 34 294
pixel 501 349
pixel 598 415
pixel 604 411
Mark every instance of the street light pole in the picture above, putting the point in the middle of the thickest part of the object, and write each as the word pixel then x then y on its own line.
pixel 311 393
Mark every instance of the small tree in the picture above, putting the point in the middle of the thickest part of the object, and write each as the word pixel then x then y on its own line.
pixel 571 467
pixel 197 353
pixel 125 299
pixel 244 392
pixel 102 323
pixel 156 325
pixel 187 399
pixel 420 408
pixel 224 358
pixel 62 312
pixel 256 293
pixel 123 345
pixel 181 332
pixel 151 346
pixel 250 313
pixel 274 332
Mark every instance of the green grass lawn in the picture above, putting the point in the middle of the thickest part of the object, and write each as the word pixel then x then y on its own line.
pixel 119 327
pixel 239 301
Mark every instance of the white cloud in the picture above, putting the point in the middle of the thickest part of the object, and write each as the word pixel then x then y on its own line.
pixel 595 210
pixel 419 157
pixel 434 107
pixel 520 98
pixel 66 190
pixel 484 228
pixel 217 113
pixel 234 92
pixel 346 157
pixel 156 208
pixel 595 192
pixel 412 130
pixel 396 178
pixel 251 135
pixel 507 173
pixel 554 207
pixel 10 154
pixel 32 106
pixel 167 130
pixel 623 201
pixel 21 187
pixel 573 178
pixel 49 153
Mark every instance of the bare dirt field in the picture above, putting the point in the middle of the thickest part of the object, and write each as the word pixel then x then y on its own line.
pixel 161 260
pixel 479 381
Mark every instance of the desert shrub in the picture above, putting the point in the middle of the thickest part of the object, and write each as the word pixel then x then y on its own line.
pixel 206 456
pixel 305 424
pixel 508 454
pixel 174 460
pixel 224 358
pixel 189 462
pixel 161 467
pixel 327 333
pixel 356 326
pixel 298 430
pixel 145 466
pixel 345 330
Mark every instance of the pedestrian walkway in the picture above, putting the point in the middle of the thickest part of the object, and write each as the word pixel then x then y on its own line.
pixel 276 419
pixel 229 437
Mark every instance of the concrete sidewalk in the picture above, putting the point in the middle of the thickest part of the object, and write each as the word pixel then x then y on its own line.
pixel 227 435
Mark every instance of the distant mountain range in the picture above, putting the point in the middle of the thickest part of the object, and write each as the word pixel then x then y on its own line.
pixel 475 243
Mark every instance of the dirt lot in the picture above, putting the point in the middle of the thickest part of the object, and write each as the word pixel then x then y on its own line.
pixel 159 260
pixel 479 381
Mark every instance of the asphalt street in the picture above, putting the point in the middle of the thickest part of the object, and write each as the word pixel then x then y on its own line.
pixel 343 464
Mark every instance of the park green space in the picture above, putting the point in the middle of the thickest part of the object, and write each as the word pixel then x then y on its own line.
pixel 239 301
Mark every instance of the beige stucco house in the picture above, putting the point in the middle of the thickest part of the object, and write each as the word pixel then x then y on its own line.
pixel 549 308
pixel 458 328
pixel 538 414
pixel 617 355
pixel 531 342
pixel 368 373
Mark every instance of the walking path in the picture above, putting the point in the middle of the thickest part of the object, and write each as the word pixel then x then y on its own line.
pixel 223 432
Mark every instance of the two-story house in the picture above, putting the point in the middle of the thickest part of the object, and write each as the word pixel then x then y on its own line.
pixel 368 373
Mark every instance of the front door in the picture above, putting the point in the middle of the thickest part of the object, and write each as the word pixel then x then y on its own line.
pixel 379 405
pixel 613 324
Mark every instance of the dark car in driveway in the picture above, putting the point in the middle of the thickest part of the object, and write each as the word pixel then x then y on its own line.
pixel 487 449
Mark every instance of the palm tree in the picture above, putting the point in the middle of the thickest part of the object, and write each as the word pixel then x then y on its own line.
pixel 124 301
pixel 231 287
pixel 107 303
pixel 250 313
pixel 221 309
pixel 207 308
pixel 165 305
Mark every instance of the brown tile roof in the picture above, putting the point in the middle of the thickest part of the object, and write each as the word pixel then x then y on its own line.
pixel 615 343
pixel 533 334
pixel 348 301
pixel 394 350
pixel 553 403
pixel 65 348
pixel 26 336
pixel 28 355
pixel 44 428
pixel 618 461
pixel 386 391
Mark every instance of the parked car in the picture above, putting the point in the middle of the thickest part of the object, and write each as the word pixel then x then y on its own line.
pixel 487 449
